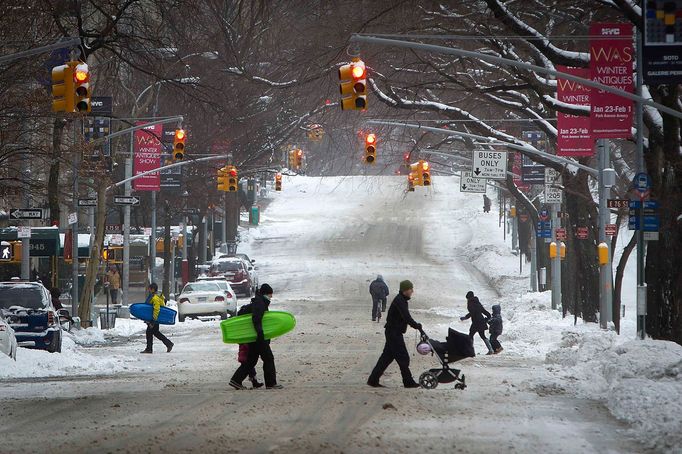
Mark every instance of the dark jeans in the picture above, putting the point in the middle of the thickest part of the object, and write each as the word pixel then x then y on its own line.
pixel 375 306
pixel 494 342
pixel 113 292
pixel 153 331
pixel 481 332
pixel 256 350
pixel 393 350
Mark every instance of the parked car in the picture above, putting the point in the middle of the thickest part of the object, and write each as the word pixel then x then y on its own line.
pixel 235 271
pixel 227 290
pixel 28 309
pixel 252 269
pixel 8 341
pixel 204 298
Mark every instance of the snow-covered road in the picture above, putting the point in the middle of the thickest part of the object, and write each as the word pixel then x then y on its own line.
pixel 320 243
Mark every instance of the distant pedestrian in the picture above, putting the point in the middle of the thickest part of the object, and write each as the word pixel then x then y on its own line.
pixel 495 328
pixel 479 317
pixel 261 347
pixel 486 203
pixel 379 291
pixel 114 280
pixel 157 301
pixel 394 350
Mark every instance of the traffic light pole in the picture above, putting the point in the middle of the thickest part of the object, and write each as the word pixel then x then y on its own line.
pixel 126 225
pixel 26 242
pixel 556 261
pixel 605 287
pixel 641 168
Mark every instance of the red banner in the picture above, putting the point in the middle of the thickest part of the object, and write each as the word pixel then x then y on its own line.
pixel 574 138
pixel 517 169
pixel 611 63
pixel 147 148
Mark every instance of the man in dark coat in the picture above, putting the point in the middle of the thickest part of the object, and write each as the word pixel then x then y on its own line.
pixel 479 319
pixel 260 348
pixel 379 291
pixel 396 325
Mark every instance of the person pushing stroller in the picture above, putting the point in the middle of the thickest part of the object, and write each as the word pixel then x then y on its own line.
pixel 479 318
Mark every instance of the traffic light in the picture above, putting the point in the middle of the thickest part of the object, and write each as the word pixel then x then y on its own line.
pixel 278 182
pixel 416 173
pixel 298 159
pixel 353 85
pixel 105 254
pixel 222 179
pixel 371 149
pixel 63 88
pixel 425 173
pixel 232 179
pixel 292 159
pixel 81 80
pixel 179 145
pixel 410 182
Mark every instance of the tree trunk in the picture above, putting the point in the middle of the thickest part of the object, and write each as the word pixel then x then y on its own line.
pixel 618 284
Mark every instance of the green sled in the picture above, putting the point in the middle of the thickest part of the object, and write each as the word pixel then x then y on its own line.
pixel 240 330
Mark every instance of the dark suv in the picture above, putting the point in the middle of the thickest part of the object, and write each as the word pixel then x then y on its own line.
pixel 28 309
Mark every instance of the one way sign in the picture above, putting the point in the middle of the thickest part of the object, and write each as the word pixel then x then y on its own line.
pixel 469 183
pixel 126 200
pixel 490 164
pixel 6 252
pixel 26 213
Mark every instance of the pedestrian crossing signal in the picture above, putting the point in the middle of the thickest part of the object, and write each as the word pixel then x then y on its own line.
pixel 6 252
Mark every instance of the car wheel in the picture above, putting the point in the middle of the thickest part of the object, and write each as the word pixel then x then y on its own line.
pixel 56 344
pixel 181 318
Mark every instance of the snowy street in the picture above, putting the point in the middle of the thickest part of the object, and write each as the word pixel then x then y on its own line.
pixel 319 245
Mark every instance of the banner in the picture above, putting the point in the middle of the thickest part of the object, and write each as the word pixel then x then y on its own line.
pixel 611 63
pixel 517 170
pixel 662 42
pixel 147 148
pixel 574 137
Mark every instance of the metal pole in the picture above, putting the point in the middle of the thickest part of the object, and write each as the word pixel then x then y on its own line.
pixel 185 261
pixel 224 226
pixel 74 239
pixel 556 261
pixel 172 267
pixel 515 233
pixel 152 239
pixel 26 242
pixel 641 167
pixel 605 290
pixel 533 262
pixel 204 242
pixel 126 226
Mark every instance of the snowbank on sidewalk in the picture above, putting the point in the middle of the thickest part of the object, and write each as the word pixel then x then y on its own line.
pixel 639 381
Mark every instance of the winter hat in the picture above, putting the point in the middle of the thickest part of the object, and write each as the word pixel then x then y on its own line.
pixel 470 294
pixel 265 289
pixel 406 285
pixel 380 277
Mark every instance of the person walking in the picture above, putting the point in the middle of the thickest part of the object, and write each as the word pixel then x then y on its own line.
pixel 397 319
pixel 157 301
pixel 479 317
pixel 114 281
pixel 379 291
pixel 261 347
pixel 486 203
pixel 495 328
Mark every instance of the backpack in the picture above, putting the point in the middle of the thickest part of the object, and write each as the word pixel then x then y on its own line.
pixel 245 309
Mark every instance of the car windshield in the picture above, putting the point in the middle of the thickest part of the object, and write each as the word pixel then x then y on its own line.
pixel 201 287
pixel 28 296
pixel 227 266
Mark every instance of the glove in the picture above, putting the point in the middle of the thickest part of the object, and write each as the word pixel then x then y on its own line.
pixel 260 337
pixel 462 318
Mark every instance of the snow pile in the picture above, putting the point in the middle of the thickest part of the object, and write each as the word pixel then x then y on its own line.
pixel 72 361
pixel 639 381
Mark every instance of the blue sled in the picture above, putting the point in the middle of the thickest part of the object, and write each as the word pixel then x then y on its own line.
pixel 144 312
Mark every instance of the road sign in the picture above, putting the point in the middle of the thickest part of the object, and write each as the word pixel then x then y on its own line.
pixel 642 184
pixel 561 234
pixel 582 233
pixel 650 236
pixel 113 228
pixel 469 183
pixel 611 229
pixel 651 223
pixel 553 195
pixel 552 176
pixel 649 205
pixel 543 214
pixel 617 203
pixel 26 213
pixel 544 229
pixel 563 215
pixel 72 218
pixel 6 252
pixel 126 200
pixel 190 211
pixel 490 164
pixel 24 232
pixel 87 202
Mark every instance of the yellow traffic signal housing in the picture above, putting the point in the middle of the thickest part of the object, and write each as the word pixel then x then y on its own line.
pixel 222 179
pixel 63 88
pixel 410 182
pixel 278 182
pixel 353 85
pixel 298 159
pixel 416 173
pixel 179 144
pixel 371 149
pixel 426 173
pixel 105 254
pixel 292 159
pixel 232 179
pixel 81 80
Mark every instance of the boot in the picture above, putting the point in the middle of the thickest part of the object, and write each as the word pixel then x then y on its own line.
pixel 256 384
pixel 490 347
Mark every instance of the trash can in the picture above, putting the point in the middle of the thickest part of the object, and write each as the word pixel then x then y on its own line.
pixel 254 215
pixel 107 322
pixel 122 311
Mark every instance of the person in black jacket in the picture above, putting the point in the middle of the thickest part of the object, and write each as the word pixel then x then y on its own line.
pixel 495 328
pixel 479 319
pixel 379 291
pixel 396 325
pixel 260 348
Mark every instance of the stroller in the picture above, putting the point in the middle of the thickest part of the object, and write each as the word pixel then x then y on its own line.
pixel 456 347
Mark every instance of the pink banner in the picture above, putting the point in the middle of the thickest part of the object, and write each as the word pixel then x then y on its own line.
pixel 518 170
pixel 611 63
pixel 147 148
pixel 574 138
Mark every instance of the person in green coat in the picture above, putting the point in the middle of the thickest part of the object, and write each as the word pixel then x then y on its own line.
pixel 153 326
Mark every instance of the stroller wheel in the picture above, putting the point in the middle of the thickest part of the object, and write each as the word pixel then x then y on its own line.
pixel 460 386
pixel 428 380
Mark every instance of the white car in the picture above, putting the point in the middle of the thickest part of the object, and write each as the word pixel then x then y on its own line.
pixel 204 298
pixel 8 342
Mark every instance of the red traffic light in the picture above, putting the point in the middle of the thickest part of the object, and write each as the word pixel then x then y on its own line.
pixel 358 72
pixel 233 172
pixel 300 152
pixel 425 166
pixel 81 76
pixel 179 134
pixel 278 176
pixel 371 138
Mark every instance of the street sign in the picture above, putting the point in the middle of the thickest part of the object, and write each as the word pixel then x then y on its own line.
pixel 24 231
pixel 87 202
pixel 126 200
pixel 543 214
pixel 563 215
pixel 642 184
pixel 651 223
pixel 661 42
pixel 26 213
pixel 6 252
pixel 72 218
pixel 650 236
pixel 649 205
pixel 544 229
pixel 190 211
pixel 582 233
pixel 469 183
pixel 553 195
pixel 611 229
pixel 490 164
pixel 552 176
pixel 561 234
pixel 617 203
pixel 113 229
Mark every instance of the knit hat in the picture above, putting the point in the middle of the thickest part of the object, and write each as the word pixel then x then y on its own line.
pixel 406 285
pixel 470 294
pixel 265 289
